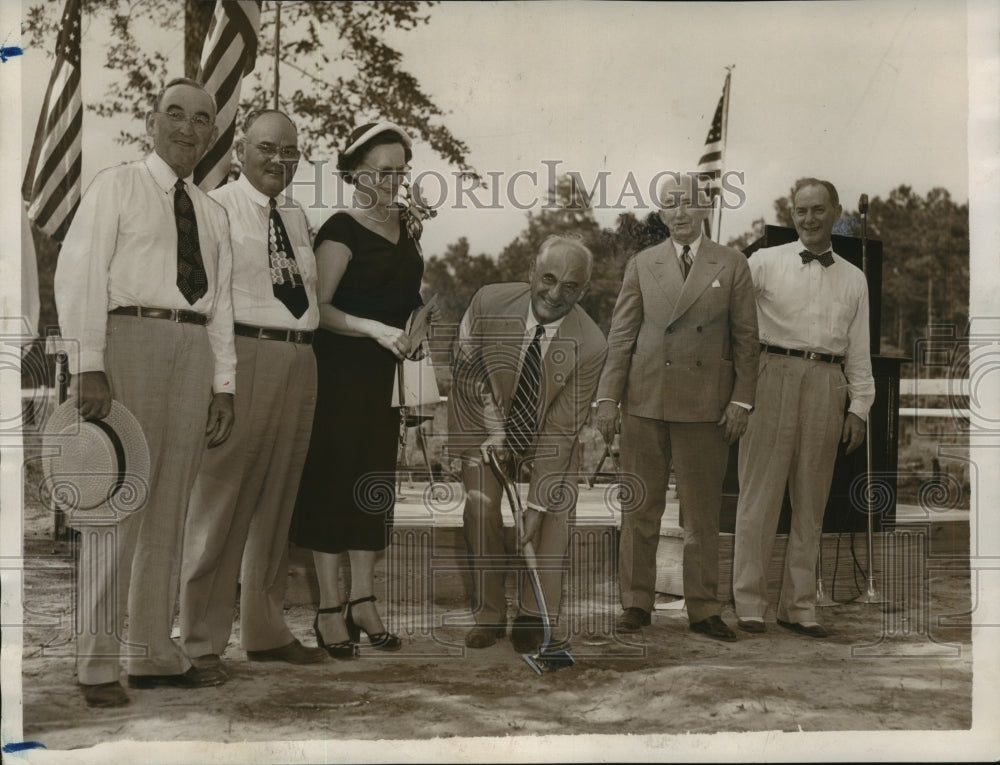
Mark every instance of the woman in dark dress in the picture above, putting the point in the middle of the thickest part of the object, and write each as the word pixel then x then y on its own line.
pixel 369 280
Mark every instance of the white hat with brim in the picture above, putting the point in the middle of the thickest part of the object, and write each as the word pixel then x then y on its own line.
pixel 374 130
pixel 95 471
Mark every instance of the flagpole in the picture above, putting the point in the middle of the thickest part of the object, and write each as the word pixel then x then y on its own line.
pixel 725 133
pixel 277 48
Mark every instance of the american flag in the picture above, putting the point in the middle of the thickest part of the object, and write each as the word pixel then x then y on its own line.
pixel 51 184
pixel 229 54
pixel 711 163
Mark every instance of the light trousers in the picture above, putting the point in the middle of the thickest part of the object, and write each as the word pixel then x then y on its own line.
pixel 161 371
pixel 791 440
pixel 242 503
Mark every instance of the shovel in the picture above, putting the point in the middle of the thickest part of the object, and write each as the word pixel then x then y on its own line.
pixel 545 660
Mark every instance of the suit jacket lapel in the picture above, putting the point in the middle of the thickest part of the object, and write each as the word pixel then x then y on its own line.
pixel 705 268
pixel 667 271
pixel 506 335
pixel 559 362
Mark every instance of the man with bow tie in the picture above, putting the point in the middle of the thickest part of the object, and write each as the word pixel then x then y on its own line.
pixel 243 498
pixel 682 362
pixel 812 309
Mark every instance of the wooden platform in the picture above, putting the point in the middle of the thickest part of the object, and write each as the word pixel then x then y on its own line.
pixel 428 521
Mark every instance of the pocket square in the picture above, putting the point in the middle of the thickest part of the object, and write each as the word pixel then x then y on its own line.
pixel 716 283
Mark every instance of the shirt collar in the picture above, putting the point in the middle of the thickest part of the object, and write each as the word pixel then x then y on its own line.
pixel 256 195
pixel 550 329
pixel 163 173
pixel 694 246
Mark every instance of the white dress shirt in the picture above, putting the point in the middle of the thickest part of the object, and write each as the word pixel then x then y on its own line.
pixel 808 307
pixel 253 291
pixel 121 250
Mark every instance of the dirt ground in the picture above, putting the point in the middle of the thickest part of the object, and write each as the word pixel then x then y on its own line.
pixel 905 668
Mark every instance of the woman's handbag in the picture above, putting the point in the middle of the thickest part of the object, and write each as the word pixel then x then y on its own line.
pixel 416 381
pixel 415 373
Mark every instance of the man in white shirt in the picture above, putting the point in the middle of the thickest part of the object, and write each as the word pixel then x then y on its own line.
pixel 682 361
pixel 812 309
pixel 143 289
pixel 242 500
pixel 526 364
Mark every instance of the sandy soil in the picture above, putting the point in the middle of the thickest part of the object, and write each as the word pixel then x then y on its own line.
pixel 896 670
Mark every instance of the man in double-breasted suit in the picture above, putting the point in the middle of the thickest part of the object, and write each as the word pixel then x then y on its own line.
pixel 682 362
pixel 526 365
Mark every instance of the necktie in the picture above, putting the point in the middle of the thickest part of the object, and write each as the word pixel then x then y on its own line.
pixel 825 260
pixel 191 278
pixel 285 276
pixel 523 415
pixel 686 261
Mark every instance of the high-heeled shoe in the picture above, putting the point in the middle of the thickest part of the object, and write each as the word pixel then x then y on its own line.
pixel 345 649
pixel 383 641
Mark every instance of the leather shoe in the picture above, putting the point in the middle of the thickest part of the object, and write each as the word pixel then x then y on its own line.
pixel 210 661
pixel 715 628
pixel 193 678
pixel 813 630
pixel 483 636
pixel 293 653
pixel 751 625
pixel 633 619
pixel 526 634
pixel 105 695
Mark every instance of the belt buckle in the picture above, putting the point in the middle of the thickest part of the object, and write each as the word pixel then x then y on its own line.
pixel 295 336
pixel 813 356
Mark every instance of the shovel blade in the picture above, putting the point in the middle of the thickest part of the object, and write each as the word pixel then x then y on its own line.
pixel 549 662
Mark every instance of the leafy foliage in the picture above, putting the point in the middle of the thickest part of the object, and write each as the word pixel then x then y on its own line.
pixel 335 69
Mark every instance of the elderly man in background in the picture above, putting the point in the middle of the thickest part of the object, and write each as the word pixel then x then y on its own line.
pixel 682 361
pixel 812 308
pixel 143 288
pixel 526 364
pixel 243 498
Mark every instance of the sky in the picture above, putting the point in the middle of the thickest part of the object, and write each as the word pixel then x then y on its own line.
pixel 869 95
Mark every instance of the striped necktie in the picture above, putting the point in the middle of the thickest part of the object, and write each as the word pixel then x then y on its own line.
pixel 686 261
pixel 191 278
pixel 523 416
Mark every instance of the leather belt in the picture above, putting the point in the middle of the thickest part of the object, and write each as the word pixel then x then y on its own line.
pixel 810 355
pixel 178 315
pixel 263 333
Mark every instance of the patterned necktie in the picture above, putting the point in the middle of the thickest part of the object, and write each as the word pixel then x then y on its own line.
pixel 686 261
pixel 285 276
pixel 191 278
pixel 523 416
pixel 825 260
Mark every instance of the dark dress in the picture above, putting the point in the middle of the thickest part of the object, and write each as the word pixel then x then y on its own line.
pixel 347 492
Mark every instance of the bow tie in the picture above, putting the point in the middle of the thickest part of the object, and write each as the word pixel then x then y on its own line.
pixel 825 260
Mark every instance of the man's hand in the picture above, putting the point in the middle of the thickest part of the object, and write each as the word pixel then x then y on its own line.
pixel 93 395
pixel 734 420
pixel 532 527
pixel 606 420
pixel 498 443
pixel 221 417
pixel 854 432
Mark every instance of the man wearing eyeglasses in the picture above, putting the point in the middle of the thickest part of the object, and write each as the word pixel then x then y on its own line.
pixel 243 498
pixel 143 291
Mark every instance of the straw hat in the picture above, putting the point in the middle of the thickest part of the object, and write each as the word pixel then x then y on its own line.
pixel 95 470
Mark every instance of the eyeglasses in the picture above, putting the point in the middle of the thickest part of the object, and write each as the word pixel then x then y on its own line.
pixel 198 121
pixel 270 149
pixel 380 176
